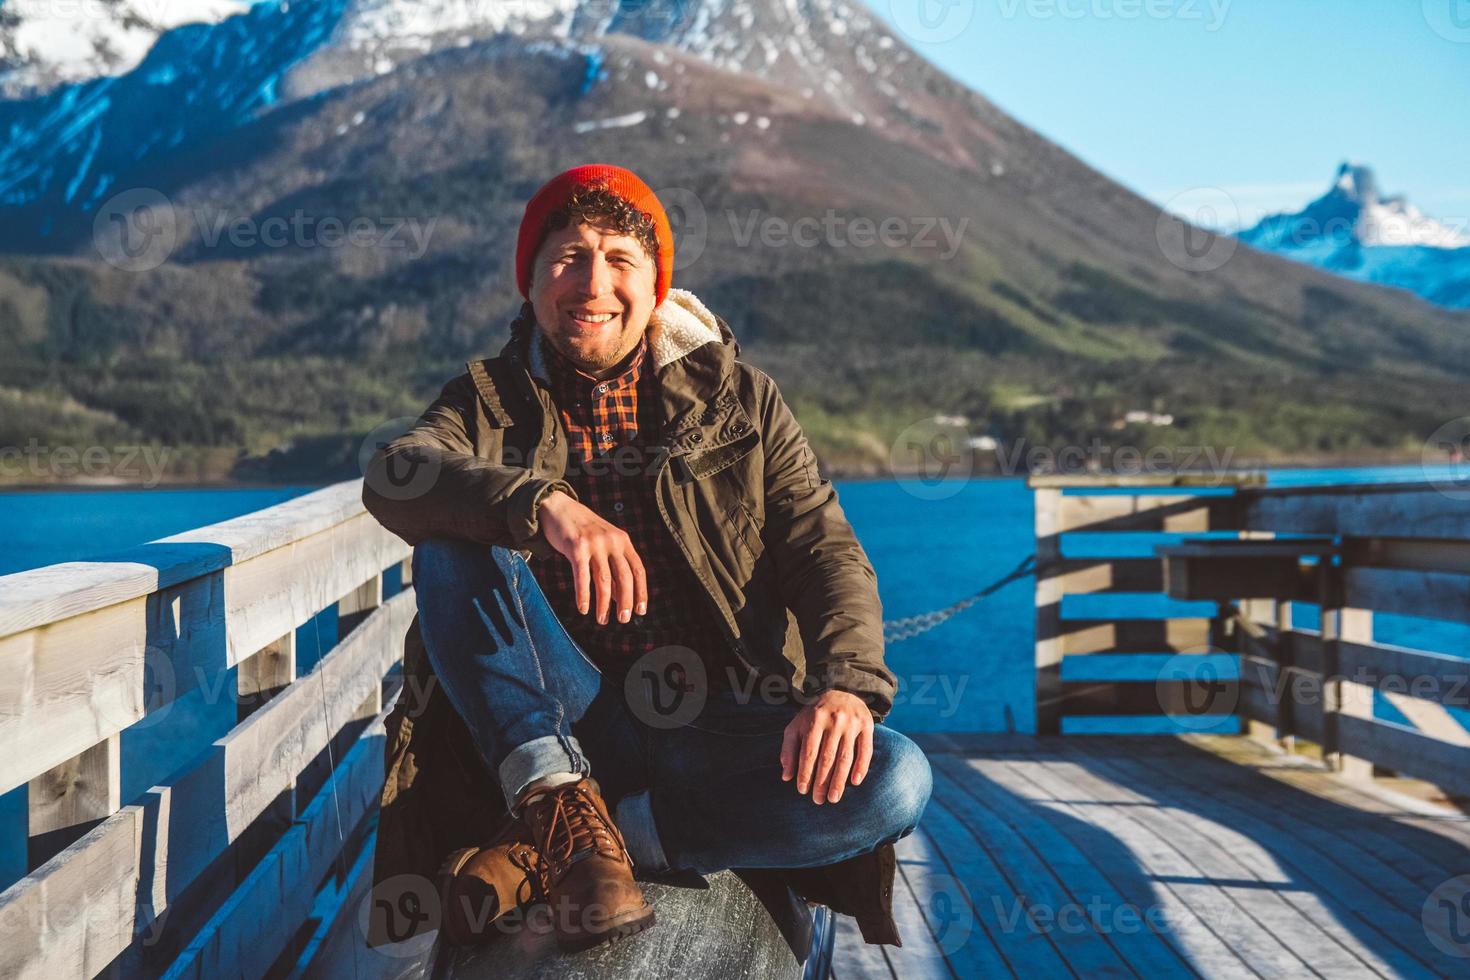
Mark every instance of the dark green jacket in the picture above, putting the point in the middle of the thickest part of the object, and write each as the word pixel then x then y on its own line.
pixel 740 491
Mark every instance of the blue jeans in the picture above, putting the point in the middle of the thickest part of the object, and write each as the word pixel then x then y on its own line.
pixel 701 793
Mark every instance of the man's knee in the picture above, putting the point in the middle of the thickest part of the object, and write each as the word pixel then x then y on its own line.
pixel 443 560
pixel 900 783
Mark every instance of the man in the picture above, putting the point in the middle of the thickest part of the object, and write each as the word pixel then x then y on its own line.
pixel 661 642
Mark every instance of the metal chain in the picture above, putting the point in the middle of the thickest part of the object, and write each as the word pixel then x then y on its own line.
pixel 897 630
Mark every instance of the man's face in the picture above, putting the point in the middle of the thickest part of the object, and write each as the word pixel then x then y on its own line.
pixel 581 271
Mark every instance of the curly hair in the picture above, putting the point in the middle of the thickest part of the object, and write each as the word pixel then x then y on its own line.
pixel 601 208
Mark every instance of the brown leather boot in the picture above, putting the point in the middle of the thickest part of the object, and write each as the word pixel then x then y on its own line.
pixel 479 885
pixel 589 874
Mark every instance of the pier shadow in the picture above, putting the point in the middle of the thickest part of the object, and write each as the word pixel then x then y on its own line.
pixel 1104 855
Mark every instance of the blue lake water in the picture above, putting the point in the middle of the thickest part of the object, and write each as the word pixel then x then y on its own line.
pixel 930 543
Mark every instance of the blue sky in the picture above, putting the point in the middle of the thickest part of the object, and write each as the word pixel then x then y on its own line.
pixel 1261 98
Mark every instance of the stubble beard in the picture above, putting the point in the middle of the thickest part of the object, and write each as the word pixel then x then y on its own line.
pixel 598 358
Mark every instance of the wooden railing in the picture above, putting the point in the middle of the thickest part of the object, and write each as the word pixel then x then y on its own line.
pixel 195 781
pixel 1096 671
pixel 1401 549
pixel 1348 552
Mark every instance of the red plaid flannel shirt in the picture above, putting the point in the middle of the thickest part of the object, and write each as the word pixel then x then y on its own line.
pixel 612 428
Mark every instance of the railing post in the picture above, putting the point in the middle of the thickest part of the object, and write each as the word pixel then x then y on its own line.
pixel 264 674
pixel 1342 697
pixel 1048 655
pixel 358 604
pixel 67 800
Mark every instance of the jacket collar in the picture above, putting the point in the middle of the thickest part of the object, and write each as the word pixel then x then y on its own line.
pixel 693 351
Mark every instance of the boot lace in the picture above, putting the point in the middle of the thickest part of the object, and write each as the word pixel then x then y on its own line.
pixel 528 860
pixel 573 830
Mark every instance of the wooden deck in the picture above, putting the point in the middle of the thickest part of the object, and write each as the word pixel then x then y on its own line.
pixel 1160 856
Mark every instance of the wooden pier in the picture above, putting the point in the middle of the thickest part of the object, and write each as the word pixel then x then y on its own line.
pixel 193 738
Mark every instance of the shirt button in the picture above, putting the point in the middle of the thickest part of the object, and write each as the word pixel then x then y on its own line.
pixel 601 389
pixel 618 506
pixel 607 437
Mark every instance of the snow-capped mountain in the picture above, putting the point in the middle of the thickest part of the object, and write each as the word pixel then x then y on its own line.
pixel 66 148
pixel 44 44
pixel 1355 231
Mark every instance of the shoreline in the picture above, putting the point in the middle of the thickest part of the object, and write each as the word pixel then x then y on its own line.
pixel 851 475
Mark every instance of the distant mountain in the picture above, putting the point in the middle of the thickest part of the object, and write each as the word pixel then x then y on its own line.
pixel 1355 231
pixel 45 44
pixel 887 243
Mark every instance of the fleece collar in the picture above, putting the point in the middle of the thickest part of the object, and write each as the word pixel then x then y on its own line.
pixel 680 325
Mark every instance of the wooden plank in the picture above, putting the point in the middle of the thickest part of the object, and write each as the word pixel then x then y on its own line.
pixel 1425 554
pixel 1047 653
pixel 1225 578
pixel 1409 592
pixel 247 934
pixel 40 596
pixel 1437 677
pixel 1087 576
pixel 1431 719
pixel 188 823
pixel 71 684
pixel 1181 635
pixel 1309 810
pixel 1099 480
pixel 1176 513
pixel 1218 851
pixel 1187 698
pixel 71 798
pixel 1041 902
pixel 1144 948
pixel 1128 864
pixel 1176 870
pixel 993 896
pixel 337 948
pixel 1359 917
pixel 1413 510
pixel 1344 698
pixel 1304 719
pixel 260 758
pixel 1407 751
pixel 1362 806
pixel 264 675
pixel 355 606
pixel 74 914
pixel 855 959
pixel 935 915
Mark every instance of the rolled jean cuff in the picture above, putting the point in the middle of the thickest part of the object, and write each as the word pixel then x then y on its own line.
pixel 537 759
pixel 634 817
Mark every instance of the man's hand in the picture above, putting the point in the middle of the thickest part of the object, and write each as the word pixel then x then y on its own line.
pixel 828 739
pixel 601 554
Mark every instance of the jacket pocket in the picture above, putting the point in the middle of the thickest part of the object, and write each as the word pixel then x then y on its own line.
pixel 746 531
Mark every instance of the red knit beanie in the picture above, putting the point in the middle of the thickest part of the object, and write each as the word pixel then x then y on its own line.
pixel 620 181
